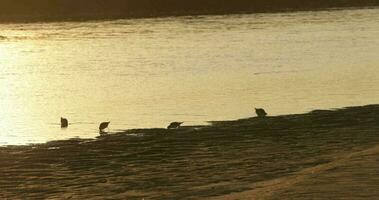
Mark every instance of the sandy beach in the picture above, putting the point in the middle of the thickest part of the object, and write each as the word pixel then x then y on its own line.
pixel 351 176
pixel 324 154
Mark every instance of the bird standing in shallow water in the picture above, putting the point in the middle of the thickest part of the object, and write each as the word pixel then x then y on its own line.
pixel 260 112
pixel 103 125
pixel 64 122
pixel 174 125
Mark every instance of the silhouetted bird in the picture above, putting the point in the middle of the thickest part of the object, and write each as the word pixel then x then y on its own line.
pixel 103 125
pixel 260 112
pixel 174 125
pixel 64 122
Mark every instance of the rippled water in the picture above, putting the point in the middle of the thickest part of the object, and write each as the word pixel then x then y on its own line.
pixel 149 72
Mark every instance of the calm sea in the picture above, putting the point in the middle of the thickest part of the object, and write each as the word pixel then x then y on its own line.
pixel 143 73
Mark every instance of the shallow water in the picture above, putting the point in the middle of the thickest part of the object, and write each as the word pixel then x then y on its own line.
pixel 149 72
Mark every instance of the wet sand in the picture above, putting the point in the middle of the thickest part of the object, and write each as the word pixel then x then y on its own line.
pixel 318 155
pixel 351 176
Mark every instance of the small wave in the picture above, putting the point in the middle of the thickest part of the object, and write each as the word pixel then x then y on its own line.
pixel 276 72
pixel 2 37
pixel 282 72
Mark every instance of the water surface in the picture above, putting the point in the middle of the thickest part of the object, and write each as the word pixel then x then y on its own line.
pixel 149 72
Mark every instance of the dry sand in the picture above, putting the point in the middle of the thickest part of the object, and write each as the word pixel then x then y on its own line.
pixel 318 155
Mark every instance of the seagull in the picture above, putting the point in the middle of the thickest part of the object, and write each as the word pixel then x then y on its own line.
pixel 174 125
pixel 260 112
pixel 103 125
pixel 64 122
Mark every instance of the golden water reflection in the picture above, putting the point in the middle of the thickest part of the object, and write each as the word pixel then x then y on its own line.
pixel 149 72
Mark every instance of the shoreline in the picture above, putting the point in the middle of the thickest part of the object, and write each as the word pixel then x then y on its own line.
pixel 224 160
pixel 186 128
pixel 63 14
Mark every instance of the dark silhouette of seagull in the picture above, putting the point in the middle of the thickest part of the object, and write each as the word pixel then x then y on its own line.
pixel 260 112
pixel 103 125
pixel 174 125
pixel 64 122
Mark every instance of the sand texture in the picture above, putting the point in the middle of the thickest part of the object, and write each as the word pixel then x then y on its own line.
pixel 324 154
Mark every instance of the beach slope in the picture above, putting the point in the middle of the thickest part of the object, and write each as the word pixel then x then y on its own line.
pixel 321 154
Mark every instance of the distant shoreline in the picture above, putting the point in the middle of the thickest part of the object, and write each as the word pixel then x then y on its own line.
pixel 24 11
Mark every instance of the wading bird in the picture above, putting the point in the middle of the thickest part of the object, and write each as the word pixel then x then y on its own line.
pixel 174 125
pixel 64 122
pixel 260 112
pixel 103 125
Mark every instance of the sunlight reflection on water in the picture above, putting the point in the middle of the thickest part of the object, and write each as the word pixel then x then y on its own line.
pixel 149 72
